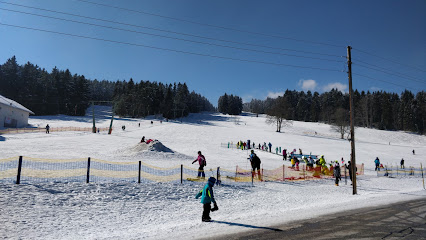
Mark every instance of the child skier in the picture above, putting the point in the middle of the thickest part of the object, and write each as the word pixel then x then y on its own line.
pixel 207 198
pixel 202 162
pixel 336 173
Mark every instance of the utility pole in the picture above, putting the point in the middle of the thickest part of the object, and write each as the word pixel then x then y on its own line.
pixel 352 109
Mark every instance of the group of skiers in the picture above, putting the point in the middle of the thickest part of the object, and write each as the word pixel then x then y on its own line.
pixel 379 165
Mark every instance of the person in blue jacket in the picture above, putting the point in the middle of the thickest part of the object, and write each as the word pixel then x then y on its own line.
pixel 377 162
pixel 207 198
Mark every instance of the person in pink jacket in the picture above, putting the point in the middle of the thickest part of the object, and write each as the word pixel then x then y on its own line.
pixel 202 161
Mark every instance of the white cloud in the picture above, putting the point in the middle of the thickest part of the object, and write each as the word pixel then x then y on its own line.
pixel 275 94
pixel 308 84
pixel 339 86
pixel 375 89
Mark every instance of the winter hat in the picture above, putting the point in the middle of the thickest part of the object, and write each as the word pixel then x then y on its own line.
pixel 212 180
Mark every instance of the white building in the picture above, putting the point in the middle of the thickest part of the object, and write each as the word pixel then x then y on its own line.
pixel 13 114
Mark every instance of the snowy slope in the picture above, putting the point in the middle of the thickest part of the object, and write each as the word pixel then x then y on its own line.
pixel 164 210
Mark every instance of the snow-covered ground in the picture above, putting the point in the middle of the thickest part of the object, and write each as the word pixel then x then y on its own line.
pixel 164 210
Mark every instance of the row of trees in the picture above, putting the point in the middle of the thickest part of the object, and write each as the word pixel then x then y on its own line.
pixel 230 104
pixel 147 98
pixel 60 92
pixel 379 109
pixel 57 92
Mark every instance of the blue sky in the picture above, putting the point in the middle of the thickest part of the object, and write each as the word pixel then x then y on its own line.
pixel 272 45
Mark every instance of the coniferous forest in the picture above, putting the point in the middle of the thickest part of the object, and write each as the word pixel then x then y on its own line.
pixel 61 92
pixel 381 110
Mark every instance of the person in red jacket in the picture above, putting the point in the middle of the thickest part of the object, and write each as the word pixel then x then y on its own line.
pixel 202 162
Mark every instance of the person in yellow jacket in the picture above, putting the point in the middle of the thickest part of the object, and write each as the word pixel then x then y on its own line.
pixel 322 161
pixel 293 161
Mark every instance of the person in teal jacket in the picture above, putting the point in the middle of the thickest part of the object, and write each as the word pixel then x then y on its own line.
pixel 207 197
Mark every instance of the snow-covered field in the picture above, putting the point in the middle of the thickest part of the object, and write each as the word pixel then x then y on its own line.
pixel 165 210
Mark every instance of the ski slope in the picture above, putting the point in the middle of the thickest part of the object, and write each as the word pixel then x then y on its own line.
pixel 117 210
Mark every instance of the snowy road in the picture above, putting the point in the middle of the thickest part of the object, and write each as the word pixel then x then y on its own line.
pixel 405 220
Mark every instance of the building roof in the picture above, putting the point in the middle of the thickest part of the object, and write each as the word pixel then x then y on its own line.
pixel 11 103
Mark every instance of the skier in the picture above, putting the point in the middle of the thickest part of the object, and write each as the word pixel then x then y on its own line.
pixel 270 146
pixel 207 198
pixel 336 173
pixel 47 128
pixel 285 154
pixel 349 167
pixel 377 162
pixel 414 153
pixel 202 161
pixel 143 139
pixel 255 164
pixel 402 163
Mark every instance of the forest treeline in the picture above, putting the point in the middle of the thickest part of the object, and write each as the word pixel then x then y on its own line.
pixel 381 110
pixel 61 92
pixel 230 104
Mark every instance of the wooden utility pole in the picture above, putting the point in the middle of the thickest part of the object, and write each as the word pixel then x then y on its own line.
pixel 352 109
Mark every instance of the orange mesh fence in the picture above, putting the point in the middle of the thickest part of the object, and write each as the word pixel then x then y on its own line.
pixel 285 173
pixel 52 129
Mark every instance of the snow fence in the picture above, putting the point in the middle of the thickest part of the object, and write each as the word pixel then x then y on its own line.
pixel 284 173
pixel 396 171
pixel 29 170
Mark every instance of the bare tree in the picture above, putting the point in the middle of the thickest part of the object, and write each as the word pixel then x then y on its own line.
pixel 278 113
pixel 341 124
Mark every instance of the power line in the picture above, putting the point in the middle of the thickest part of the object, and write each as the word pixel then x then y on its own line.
pixel 418 69
pixel 170 50
pixel 388 70
pixel 383 81
pixel 173 32
pixel 389 73
pixel 210 25
pixel 163 36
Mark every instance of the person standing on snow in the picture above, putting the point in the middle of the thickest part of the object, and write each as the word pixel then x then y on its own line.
pixel 402 163
pixel 47 128
pixel 202 162
pixel 377 162
pixel 270 146
pixel 207 197
pixel 322 161
pixel 336 173
pixel 255 164
pixel 285 154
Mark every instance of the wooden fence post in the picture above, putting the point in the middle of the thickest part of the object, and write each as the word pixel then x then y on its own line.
pixel 18 177
pixel 88 170
pixel 139 175
pixel 218 181
pixel 283 173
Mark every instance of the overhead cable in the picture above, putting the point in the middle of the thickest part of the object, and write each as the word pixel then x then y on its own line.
pixel 163 36
pixel 388 71
pixel 173 32
pixel 210 25
pixel 361 75
pixel 168 49
pixel 416 68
